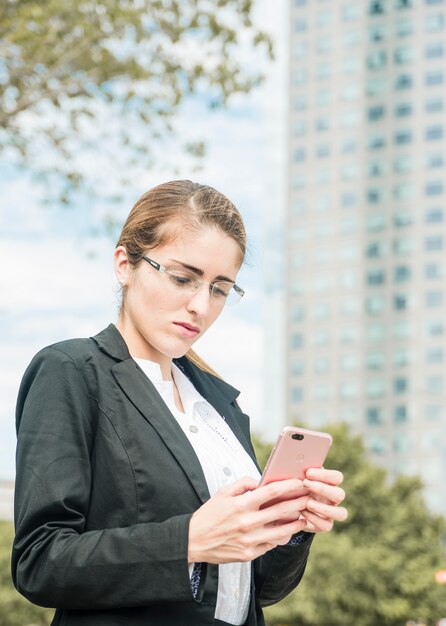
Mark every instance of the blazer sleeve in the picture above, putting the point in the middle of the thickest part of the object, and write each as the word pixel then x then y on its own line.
pixel 55 562
pixel 279 571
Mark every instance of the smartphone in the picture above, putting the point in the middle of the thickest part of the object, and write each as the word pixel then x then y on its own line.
pixel 296 450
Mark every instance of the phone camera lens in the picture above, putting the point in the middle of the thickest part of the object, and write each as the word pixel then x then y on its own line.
pixel 297 436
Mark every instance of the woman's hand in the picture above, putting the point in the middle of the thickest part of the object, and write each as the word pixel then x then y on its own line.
pixel 325 495
pixel 231 526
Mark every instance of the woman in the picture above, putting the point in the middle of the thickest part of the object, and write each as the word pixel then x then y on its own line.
pixel 136 499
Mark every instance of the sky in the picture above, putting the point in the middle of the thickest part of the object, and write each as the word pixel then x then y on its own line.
pixel 58 279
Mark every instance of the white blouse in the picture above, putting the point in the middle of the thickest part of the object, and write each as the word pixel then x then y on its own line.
pixel 223 460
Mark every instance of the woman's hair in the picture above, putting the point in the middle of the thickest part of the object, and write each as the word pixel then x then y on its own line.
pixel 162 212
pixel 166 210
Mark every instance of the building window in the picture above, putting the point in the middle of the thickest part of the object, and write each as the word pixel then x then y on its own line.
pixel 435 355
pixel 434 160
pixel 404 81
pixel 349 390
pixel 299 128
pixel 349 199
pixel 349 335
pixel 434 132
pixel 404 28
pixel 349 362
pixel 435 328
pixel 403 109
pixel 377 33
pixel 377 59
pixel 434 105
pixel 322 124
pixel 402 329
pixel 350 39
pixel 376 250
pixel 297 341
pixel 297 367
pixel 400 385
pixel 434 23
pixel 433 243
pixel 375 276
pixel 402 273
pixel 434 78
pixel 297 395
pixel 376 86
pixel 349 146
pixel 404 191
pixel 376 222
pixel 404 4
pixel 403 137
pixel 435 384
pixel 375 305
pixel 377 141
pixel 434 50
pixel 434 299
pixel 374 416
pixel 321 310
pixel 375 195
pixel 375 332
pixel 351 13
pixel 403 246
pixel 321 365
pixel 300 25
pixel 300 50
pixel 375 360
pixel 402 218
pixel 401 302
pixel 376 7
pixel 400 414
pixel 322 150
pixel 434 216
pixel 324 45
pixel 376 169
pixel 324 19
pixel 434 270
pixel 376 113
pixel 299 155
pixel 434 412
pixel 403 443
pixel 403 164
pixel 375 388
pixel 401 358
pixel 404 55
pixel 434 188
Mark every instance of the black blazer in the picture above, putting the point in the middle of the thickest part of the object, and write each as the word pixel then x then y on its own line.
pixel 106 485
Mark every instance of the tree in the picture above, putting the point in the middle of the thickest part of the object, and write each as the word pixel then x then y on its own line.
pixel 112 73
pixel 14 609
pixel 377 567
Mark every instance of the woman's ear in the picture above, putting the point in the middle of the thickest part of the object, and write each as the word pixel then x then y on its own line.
pixel 122 266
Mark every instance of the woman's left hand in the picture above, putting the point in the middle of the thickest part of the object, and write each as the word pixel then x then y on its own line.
pixel 326 495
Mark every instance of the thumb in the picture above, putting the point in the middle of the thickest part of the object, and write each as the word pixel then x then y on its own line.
pixel 240 486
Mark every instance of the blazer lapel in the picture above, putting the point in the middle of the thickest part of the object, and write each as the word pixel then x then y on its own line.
pixel 143 395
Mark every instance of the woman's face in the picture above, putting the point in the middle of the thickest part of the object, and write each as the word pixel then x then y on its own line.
pixel 160 321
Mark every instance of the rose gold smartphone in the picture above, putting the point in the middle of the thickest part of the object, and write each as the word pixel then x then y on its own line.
pixel 296 450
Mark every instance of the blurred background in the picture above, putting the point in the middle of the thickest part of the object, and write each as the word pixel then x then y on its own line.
pixel 323 120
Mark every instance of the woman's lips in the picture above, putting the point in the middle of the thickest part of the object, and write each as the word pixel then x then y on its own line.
pixel 187 329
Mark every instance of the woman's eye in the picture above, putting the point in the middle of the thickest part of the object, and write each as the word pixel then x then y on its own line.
pixel 180 280
pixel 220 291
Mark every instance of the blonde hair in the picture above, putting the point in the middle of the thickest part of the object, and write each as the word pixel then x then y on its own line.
pixel 163 211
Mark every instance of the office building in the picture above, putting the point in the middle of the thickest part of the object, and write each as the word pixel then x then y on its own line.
pixel 366 234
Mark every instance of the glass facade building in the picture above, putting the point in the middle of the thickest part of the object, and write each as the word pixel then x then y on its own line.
pixel 366 234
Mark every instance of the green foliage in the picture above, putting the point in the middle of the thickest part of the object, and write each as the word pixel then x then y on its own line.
pixel 14 609
pixel 80 76
pixel 378 567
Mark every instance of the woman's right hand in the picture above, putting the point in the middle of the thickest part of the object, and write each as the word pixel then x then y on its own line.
pixel 232 527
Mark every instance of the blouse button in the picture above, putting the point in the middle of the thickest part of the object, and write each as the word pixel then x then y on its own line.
pixel 193 429
pixel 227 471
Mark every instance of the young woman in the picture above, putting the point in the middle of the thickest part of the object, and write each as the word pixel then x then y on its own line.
pixel 136 492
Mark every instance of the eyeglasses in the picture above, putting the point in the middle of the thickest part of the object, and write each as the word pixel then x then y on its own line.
pixel 222 292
